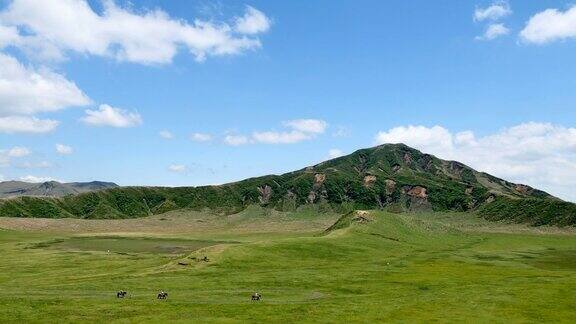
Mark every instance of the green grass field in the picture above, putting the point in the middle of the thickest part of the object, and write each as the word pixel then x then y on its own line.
pixel 389 267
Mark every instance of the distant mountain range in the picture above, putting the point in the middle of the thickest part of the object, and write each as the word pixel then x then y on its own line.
pixel 9 189
pixel 393 177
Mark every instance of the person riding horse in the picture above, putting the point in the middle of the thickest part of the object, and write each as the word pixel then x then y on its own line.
pixel 256 296
pixel 162 295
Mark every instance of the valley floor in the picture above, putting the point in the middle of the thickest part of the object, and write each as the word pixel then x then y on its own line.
pixel 380 267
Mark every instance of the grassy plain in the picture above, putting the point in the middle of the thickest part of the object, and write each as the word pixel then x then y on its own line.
pixel 450 267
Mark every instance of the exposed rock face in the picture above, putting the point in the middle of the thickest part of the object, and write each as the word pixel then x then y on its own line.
pixel 417 198
pixel 523 189
pixel 417 192
pixel 319 178
pixel 456 168
pixel 265 194
pixel 369 180
pixel 426 162
pixel 390 186
pixel 362 217
pixel 490 199
pixel 407 158
pixel 396 167
pixel 469 191
pixel 311 197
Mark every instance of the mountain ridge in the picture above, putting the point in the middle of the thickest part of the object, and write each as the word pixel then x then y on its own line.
pixel 13 188
pixel 390 176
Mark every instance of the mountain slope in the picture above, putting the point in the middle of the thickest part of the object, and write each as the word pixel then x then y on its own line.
pixel 9 189
pixel 393 176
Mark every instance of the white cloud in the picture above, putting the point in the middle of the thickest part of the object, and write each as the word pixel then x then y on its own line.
pixel 8 36
pixel 18 151
pixel 201 137
pixel 34 165
pixel 280 137
pixel 236 140
pixel 64 149
pixel 177 168
pixel 35 179
pixel 342 131
pixel 253 22
pixel 166 134
pixel 23 124
pixel 27 91
pixel 51 28
pixel 494 31
pixel 334 153
pixel 110 116
pixel 15 152
pixel 538 154
pixel 434 139
pixel 314 126
pixel 299 130
pixel 496 11
pixel 550 25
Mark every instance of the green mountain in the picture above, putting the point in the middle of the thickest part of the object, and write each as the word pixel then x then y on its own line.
pixel 392 176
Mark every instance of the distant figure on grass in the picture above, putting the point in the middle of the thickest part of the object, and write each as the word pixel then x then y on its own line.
pixel 162 295
pixel 121 294
pixel 256 296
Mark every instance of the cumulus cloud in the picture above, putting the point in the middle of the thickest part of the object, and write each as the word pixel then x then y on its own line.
pixel 341 131
pixel 538 154
pixel 280 137
pixel 113 117
pixel 253 22
pixel 18 151
pixel 550 25
pixel 298 130
pixel 54 27
pixel 6 155
pixel 201 137
pixel 34 165
pixel 334 153
pixel 495 11
pixel 236 140
pixel 313 126
pixel 27 91
pixel 64 149
pixel 494 31
pixel 35 179
pixel 177 168
pixel 166 134
pixel 24 124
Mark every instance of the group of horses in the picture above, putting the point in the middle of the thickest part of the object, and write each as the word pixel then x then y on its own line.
pixel 161 295
pixel 164 295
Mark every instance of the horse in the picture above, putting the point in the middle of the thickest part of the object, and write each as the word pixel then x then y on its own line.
pixel 121 294
pixel 256 296
pixel 162 295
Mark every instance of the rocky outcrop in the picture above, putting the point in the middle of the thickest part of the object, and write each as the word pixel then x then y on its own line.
pixel 523 189
pixel 390 186
pixel 417 192
pixel 407 158
pixel 369 180
pixel 319 179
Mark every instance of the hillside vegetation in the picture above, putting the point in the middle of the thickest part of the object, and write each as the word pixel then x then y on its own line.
pixel 393 177
pixel 372 267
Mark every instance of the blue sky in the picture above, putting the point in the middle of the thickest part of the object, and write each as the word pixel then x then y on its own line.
pixel 282 85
